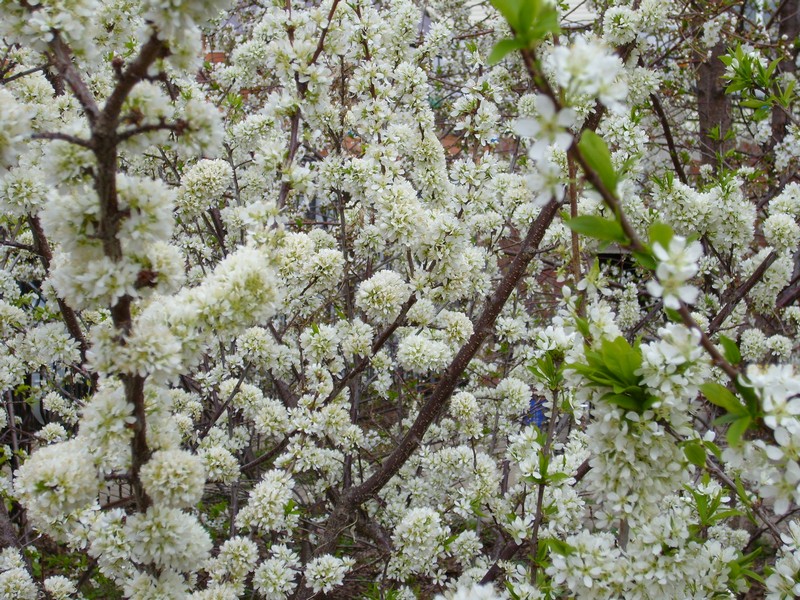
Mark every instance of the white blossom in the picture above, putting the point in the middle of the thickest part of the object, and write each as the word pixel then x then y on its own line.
pixel 382 296
pixel 677 264
pixel 327 572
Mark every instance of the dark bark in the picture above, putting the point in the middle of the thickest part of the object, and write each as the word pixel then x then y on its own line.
pixel 788 18
pixel 713 107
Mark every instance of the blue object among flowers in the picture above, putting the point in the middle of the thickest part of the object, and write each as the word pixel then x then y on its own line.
pixel 535 415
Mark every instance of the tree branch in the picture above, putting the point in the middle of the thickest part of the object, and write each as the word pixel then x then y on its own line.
pixel 433 407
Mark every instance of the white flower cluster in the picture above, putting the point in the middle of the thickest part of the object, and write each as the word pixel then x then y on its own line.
pixel 673 368
pixel 620 25
pixel 547 128
pixel 15 581
pixel 235 561
pixel 327 572
pixel 310 268
pixel 783 582
pixel 167 538
pixel 267 509
pixel 105 424
pixel 174 478
pixel 203 185
pixel 778 388
pixel 23 190
pixel 60 588
pixel 420 354
pixel 587 68
pixel 86 276
pixel 780 228
pixel 419 541
pixel 677 265
pixel 634 461
pixel 14 128
pixel 595 567
pixel 382 296
pixel 275 577
pixel 241 291
pixel 57 480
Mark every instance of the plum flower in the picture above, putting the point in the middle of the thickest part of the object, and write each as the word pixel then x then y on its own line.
pixel 546 182
pixel 547 128
pixel 677 264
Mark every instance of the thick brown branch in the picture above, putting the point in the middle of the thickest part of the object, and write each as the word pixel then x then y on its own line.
pixel 433 407
pixel 62 60
pixel 152 50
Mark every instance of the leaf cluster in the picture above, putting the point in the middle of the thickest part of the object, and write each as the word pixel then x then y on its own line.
pixel 530 20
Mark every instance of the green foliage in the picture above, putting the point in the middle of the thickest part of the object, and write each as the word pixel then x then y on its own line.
pixel 695 453
pixel 730 350
pixel 739 415
pixel 661 233
pixel 741 567
pixel 503 48
pixel 530 20
pixel 608 230
pixel 597 155
pixel 721 396
pixel 614 365
pixel 548 369
pixel 374 592
pixel 756 82
pixel 556 546
pixel 710 510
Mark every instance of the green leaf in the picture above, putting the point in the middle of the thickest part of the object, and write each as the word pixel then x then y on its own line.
pixel 290 508
pixel 713 448
pixel 645 259
pixel 754 103
pixel 786 96
pixel 450 540
pixel 721 396
pixel 547 22
pixel 737 430
pixel 661 233
pixel 599 228
pixel 751 400
pixel 623 359
pixel 545 370
pixel 730 350
pixel 528 10
pixel 727 418
pixel 762 113
pixel 557 477
pixel 695 453
pixel 741 492
pixel 727 514
pixel 583 327
pixel 557 546
pixel 510 10
pixel 510 590
pixel 503 48
pixel 595 152
pixel 623 401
